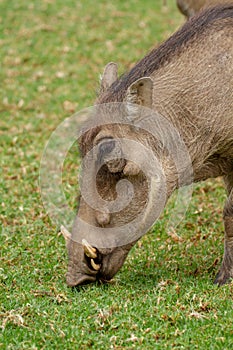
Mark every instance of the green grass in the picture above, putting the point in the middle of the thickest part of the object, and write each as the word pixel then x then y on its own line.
pixel 163 298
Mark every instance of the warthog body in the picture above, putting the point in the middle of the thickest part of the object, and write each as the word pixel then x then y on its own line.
pixel 190 7
pixel 189 81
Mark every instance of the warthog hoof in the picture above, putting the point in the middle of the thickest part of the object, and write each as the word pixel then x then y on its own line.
pixel 223 277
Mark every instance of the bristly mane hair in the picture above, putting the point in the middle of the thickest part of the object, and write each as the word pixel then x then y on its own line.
pixel 157 58
pixel 164 53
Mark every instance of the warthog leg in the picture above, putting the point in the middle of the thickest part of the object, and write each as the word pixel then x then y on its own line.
pixel 226 270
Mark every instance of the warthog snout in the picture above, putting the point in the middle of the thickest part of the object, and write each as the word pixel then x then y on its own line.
pixel 88 264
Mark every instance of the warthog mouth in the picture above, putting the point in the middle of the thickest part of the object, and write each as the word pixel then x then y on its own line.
pixel 87 264
pixel 90 270
pixel 86 278
pixel 95 264
pixel 79 280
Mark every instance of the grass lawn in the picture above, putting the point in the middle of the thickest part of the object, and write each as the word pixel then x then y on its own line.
pixel 52 53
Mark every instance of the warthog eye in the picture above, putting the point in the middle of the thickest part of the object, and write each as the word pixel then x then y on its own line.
pixel 110 153
pixel 105 147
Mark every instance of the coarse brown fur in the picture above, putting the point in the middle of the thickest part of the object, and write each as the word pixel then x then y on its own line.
pixel 171 49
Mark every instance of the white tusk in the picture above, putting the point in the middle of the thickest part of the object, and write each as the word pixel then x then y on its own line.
pixel 66 234
pixel 95 266
pixel 89 250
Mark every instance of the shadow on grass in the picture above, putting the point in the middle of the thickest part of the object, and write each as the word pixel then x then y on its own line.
pixel 149 281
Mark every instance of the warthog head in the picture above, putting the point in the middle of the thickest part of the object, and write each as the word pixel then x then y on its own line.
pixel 102 259
pixel 106 225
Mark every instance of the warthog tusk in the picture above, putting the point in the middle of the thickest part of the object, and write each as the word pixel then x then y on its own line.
pixel 89 250
pixel 95 266
pixel 66 234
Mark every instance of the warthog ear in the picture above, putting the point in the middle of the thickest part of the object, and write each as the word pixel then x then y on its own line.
pixel 140 92
pixel 109 76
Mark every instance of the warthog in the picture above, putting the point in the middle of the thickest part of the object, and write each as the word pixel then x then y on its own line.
pixel 190 7
pixel 188 81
